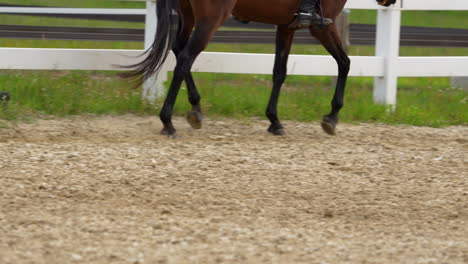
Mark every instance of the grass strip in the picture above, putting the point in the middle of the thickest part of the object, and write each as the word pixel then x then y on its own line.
pixel 421 101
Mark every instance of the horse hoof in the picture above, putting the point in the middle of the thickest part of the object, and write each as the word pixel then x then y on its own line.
pixel 279 132
pixel 170 133
pixel 329 126
pixel 276 131
pixel 195 119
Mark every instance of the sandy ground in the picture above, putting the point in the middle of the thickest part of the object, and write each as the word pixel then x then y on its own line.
pixel 112 190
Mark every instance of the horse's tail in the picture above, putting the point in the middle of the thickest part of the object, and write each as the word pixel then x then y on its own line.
pixel 167 13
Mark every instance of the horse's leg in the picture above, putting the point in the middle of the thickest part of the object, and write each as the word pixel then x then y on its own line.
pixel 203 32
pixel 194 117
pixel 284 37
pixel 331 41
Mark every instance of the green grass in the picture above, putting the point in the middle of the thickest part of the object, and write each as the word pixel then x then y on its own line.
pixel 421 101
pixel 68 93
pixel 308 98
pixel 444 19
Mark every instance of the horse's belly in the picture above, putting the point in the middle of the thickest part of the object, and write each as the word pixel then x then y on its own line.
pixel 266 11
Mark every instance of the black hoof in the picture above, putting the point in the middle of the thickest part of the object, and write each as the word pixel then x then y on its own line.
pixel 171 133
pixel 4 98
pixel 277 131
pixel 195 119
pixel 329 125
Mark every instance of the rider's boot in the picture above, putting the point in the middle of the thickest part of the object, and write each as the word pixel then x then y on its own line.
pixel 307 16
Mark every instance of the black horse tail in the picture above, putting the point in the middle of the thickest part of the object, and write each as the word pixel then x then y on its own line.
pixel 168 19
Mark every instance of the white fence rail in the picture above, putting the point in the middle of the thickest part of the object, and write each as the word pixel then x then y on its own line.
pixel 386 66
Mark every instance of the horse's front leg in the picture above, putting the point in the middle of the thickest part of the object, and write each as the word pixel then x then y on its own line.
pixel 284 37
pixel 331 41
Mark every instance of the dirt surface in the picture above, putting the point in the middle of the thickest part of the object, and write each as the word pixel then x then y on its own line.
pixel 112 190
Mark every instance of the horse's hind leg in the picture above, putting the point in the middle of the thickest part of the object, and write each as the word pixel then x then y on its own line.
pixel 284 37
pixel 194 117
pixel 331 41
pixel 199 39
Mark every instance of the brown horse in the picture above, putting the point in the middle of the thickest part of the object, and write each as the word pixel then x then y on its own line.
pixel 186 27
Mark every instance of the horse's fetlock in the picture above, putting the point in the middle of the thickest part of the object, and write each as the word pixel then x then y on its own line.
pixel 165 117
pixel 271 115
pixel 195 100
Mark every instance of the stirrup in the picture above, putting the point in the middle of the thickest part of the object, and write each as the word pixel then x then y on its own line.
pixel 307 20
pixel 299 21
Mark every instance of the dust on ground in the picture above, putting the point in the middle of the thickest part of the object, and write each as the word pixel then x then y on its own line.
pixel 112 190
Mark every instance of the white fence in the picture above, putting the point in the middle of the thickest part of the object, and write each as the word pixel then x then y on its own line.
pixel 386 66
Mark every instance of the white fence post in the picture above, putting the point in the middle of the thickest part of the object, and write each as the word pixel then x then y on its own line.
pixel 153 87
pixel 387 45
